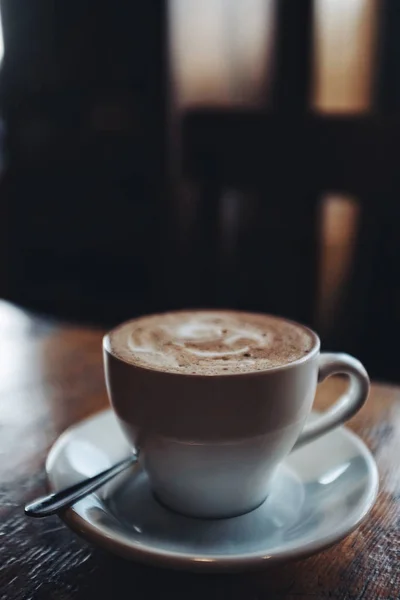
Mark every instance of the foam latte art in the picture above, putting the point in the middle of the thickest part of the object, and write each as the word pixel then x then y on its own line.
pixel 210 342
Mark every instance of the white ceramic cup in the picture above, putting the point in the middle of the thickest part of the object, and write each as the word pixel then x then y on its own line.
pixel 211 444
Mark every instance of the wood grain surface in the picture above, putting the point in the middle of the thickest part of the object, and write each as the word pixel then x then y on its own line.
pixel 50 377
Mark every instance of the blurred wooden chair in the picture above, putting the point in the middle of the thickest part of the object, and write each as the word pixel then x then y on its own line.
pixel 281 167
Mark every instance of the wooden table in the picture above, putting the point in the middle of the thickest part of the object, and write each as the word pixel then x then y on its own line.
pixel 50 377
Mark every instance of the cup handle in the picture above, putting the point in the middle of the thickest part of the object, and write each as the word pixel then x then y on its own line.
pixel 347 405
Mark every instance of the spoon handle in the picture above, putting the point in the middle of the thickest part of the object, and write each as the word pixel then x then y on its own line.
pixel 53 503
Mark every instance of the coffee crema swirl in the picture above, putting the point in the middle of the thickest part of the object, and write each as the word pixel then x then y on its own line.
pixel 210 342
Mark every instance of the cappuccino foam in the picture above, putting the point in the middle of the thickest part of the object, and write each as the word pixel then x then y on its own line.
pixel 210 342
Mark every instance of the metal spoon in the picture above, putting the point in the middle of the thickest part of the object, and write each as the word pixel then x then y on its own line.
pixel 54 503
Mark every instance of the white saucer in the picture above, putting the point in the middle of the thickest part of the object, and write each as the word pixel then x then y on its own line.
pixel 322 492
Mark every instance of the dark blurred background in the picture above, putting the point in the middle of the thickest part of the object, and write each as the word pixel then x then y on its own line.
pixel 235 153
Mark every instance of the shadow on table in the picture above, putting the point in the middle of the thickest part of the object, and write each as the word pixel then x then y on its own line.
pixel 128 580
